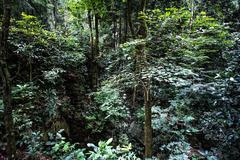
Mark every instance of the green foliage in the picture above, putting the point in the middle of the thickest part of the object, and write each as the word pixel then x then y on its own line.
pixel 105 151
pixel 112 109
pixel 178 150
pixel 53 75
pixel 189 60
pixel 111 102
pixel 102 151
pixel 66 151
pixel 52 105
pixel 25 91
pixel 31 27
pixel 33 142
pixel 78 7
pixel 166 121
pixel 25 114
pixel 192 40
pixel 31 38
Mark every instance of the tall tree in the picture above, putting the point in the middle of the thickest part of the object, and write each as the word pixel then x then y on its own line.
pixel 95 73
pixel 114 21
pixel 52 12
pixel 141 62
pixel 6 81
pixel 91 56
pixel 129 17
pixel 94 9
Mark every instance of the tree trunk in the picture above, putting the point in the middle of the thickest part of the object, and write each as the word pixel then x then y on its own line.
pixel 192 13
pixel 97 35
pixel 55 13
pixel 120 29
pixel 91 57
pixel 51 17
pixel 125 33
pixel 141 62
pixel 5 75
pixel 129 17
pixel 114 21
pixel 96 54
pixel 91 32
pixel 148 122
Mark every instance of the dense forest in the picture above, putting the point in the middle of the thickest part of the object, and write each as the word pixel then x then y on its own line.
pixel 120 79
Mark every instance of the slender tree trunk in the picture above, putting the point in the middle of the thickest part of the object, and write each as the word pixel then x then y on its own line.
pixel 55 13
pixel 120 29
pixel 92 50
pixel 5 75
pixel 96 54
pixel 192 13
pixel 94 43
pixel 141 62
pixel 51 17
pixel 148 122
pixel 125 34
pixel 129 17
pixel 114 21
pixel 91 33
pixel 114 31
pixel 30 67
pixel 97 34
